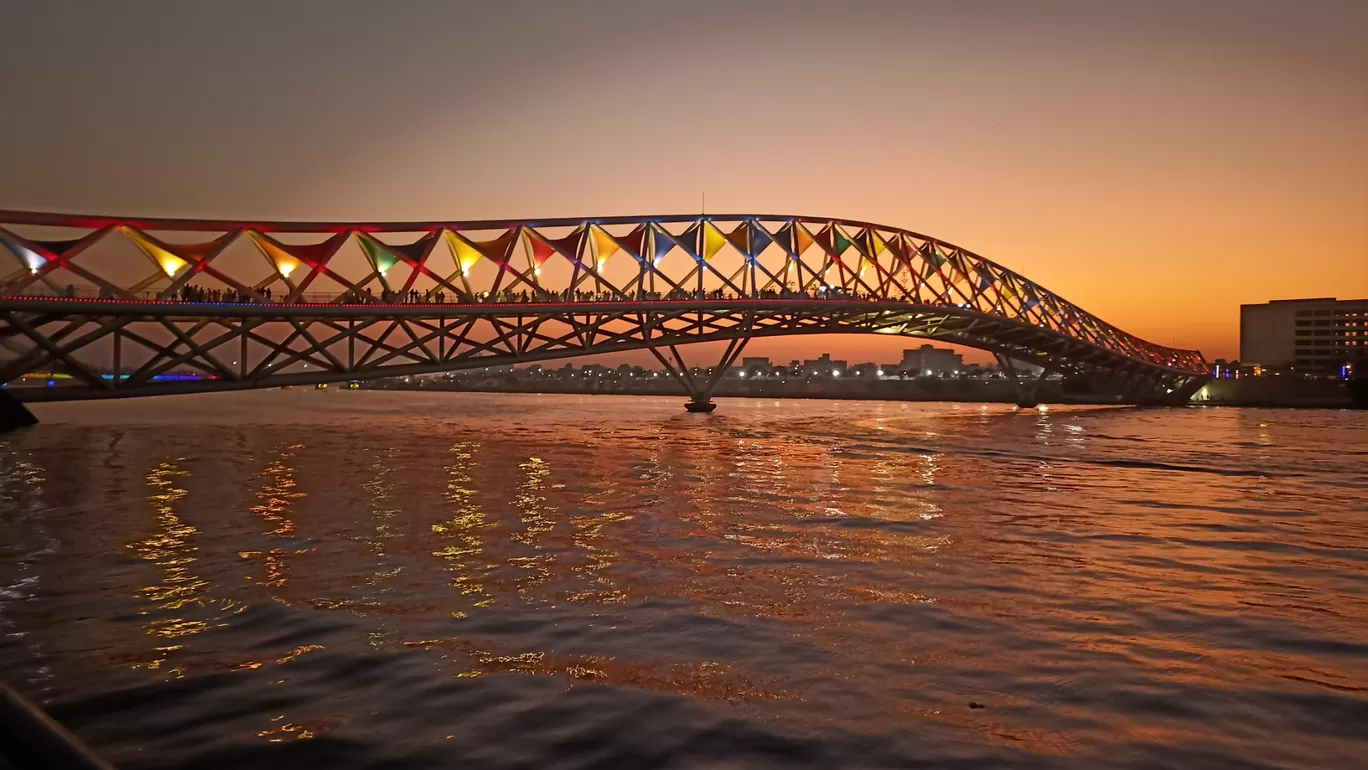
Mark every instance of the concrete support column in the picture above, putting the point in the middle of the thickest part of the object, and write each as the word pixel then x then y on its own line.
pixel 700 393
pixel 1026 388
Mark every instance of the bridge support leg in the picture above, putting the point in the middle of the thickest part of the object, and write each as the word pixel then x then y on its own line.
pixel 13 414
pixel 1170 391
pixel 1026 387
pixel 1142 388
pixel 700 390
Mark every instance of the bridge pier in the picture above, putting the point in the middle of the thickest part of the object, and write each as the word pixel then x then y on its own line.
pixel 13 413
pixel 1169 392
pixel 1026 392
pixel 699 405
pixel 700 392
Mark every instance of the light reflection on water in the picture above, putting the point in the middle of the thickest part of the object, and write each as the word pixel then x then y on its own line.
pixel 461 534
pixel 178 600
pixel 517 580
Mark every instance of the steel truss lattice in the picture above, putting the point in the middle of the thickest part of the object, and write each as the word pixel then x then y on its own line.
pixel 198 317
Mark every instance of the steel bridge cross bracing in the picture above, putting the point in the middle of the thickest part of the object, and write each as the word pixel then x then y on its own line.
pixel 121 307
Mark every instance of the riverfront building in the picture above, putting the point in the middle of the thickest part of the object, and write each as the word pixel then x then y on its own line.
pixel 928 361
pixel 824 367
pixel 1310 336
pixel 758 367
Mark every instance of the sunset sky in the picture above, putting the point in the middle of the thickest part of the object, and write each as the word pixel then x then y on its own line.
pixel 1158 162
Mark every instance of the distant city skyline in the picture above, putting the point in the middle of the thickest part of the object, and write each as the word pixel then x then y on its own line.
pixel 1159 163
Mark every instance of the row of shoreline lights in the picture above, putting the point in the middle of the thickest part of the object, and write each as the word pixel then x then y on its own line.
pixel 837 373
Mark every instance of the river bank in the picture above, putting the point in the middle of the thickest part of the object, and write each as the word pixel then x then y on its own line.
pixel 1283 392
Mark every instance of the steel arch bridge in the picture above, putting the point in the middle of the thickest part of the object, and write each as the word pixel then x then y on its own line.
pixel 115 306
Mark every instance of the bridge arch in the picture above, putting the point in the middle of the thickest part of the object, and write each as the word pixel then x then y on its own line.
pixel 135 306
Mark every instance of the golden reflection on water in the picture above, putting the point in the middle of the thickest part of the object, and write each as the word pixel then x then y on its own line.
pixel 278 495
pixel 15 470
pixel 769 509
pixel 706 679
pixel 380 501
pixel 537 523
pixel 600 550
pixel 589 537
pixel 462 547
pixel 281 731
pixel 181 590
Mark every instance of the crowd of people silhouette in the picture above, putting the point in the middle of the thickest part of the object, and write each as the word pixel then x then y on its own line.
pixel 266 295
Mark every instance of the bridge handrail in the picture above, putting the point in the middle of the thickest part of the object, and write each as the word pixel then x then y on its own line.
pixel 87 291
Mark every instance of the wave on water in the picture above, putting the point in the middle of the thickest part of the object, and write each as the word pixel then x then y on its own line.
pixel 375 579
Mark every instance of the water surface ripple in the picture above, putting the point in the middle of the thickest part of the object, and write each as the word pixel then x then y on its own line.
pixel 367 579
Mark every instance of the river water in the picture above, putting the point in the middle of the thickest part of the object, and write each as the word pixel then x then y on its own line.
pixel 365 579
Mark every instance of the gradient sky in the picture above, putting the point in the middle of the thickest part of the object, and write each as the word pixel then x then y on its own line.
pixel 1158 162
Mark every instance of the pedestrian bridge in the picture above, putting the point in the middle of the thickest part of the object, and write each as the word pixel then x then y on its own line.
pixel 115 306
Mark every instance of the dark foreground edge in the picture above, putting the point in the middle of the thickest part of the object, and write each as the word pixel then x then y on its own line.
pixel 14 414
pixel 29 738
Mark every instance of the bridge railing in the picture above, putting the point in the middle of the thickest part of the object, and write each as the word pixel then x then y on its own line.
pixel 229 296
pixel 96 292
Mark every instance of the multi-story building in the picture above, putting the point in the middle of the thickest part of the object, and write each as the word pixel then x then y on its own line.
pixel 928 361
pixel 757 366
pixel 823 367
pixel 1313 336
